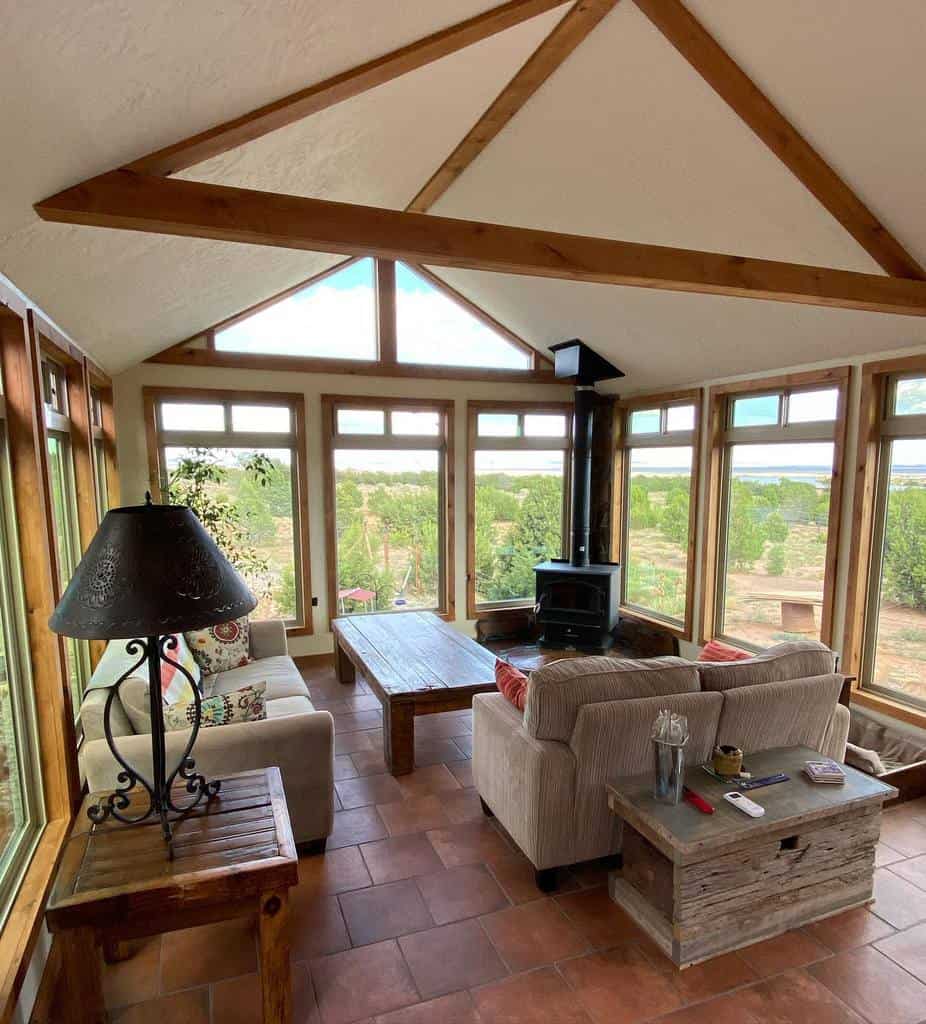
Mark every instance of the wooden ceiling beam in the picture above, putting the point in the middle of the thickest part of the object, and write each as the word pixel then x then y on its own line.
pixel 123 199
pixel 733 85
pixel 581 19
pixel 298 105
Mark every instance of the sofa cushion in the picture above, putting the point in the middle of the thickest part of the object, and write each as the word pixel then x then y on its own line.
pixel 511 682
pixel 558 690
pixel 717 650
pixel 282 677
pixel 798 659
pixel 116 661
pixel 245 705
pixel 221 647
pixel 288 706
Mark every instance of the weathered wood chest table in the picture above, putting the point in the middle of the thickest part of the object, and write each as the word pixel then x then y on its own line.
pixel 416 664
pixel 701 885
pixel 233 857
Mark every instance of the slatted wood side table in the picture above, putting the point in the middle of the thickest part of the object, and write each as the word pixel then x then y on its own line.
pixel 233 857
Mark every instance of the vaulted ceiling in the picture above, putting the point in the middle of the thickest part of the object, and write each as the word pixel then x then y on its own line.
pixel 624 140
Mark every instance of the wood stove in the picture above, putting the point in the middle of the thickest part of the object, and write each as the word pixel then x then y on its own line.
pixel 577 603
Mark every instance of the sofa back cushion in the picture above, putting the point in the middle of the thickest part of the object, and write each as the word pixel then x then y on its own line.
pixel 558 690
pixel 797 659
pixel 793 713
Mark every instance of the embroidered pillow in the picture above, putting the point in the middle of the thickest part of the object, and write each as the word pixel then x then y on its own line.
pixel 248 704
pixel 714 650
pixel 222 647
pixel 174 684
pixel 511 682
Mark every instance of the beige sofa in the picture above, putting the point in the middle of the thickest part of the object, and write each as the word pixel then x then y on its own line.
pixel 294 737
pixel 588 720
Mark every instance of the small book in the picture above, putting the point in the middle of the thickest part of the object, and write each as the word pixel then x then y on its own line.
pixel 824 771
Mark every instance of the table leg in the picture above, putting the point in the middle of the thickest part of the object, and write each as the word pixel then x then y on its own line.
pixel 275 973
pixel 399 737
pixel 81 977
pixel 342 664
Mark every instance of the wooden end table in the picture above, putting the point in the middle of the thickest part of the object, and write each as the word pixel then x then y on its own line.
pixel 416 664
pixel 233 857
pixel 701 885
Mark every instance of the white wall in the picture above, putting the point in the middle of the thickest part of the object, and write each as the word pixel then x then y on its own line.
pixel 133 459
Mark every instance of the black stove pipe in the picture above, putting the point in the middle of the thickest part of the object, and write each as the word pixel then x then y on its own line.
pixel 582 472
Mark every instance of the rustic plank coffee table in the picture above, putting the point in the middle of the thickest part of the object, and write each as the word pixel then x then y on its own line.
pixel 701 885
pixel 233 857
pixel 416 664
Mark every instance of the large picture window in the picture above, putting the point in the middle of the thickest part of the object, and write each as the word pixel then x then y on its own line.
pixel 778 458
pixel 237 458
pixel 390 505
pixel 659 448
pixel 517 496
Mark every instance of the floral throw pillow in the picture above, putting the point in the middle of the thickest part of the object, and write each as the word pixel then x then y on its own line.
pixel 248 704
pixel 222 647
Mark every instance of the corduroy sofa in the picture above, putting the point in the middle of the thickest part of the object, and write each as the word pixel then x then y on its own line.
pixel 588 720
pixel 294 737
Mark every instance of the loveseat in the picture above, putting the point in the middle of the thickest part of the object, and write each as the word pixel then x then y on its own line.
pixel 588 720
pixel 294 736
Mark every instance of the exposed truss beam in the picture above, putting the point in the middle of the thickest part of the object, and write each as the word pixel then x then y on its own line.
pixel 123 199
pixel 724 75
pixel 551 53
pixel 341 87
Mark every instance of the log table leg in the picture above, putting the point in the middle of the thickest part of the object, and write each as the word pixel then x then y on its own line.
pixel 399 737
pixel 81 977
pixel 275 973
pixel 343 666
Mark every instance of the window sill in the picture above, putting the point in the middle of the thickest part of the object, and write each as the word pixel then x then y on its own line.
pixel 17 940
pixel 630 612
pixel 886 706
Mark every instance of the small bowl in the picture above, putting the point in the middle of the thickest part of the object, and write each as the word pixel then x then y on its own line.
pixel 728 760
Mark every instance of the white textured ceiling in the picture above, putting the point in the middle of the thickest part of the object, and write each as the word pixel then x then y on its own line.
pixel 624 140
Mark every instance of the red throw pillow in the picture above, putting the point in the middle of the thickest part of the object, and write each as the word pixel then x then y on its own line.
pixel 714 650
pixel 511 682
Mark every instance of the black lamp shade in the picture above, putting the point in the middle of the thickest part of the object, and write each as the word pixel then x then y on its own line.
pixel 150 570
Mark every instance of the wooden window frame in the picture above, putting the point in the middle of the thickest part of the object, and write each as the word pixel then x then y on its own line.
pixel 720 400
pixel 474 444
pixel 152 397
pixel 625 443
pixel 200 349
pixel 330 442
pixel 876 384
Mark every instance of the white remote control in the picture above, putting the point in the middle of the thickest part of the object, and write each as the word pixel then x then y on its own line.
pixel 744 804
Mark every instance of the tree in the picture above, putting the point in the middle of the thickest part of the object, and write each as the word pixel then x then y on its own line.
pixel 776 529
pixel 674 521
pixel 349 502
pixel 905 547
pixel 746 534
pixel 775 563
pixel 284 597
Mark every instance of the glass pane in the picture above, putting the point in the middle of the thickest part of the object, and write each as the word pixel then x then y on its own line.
pixel 656 556
pixel 424 424
pixel 388 522
pixel 267 419
pixel 812 406
pixel 544 425
pixel 759 411
pixel 519 520
pixel 102 497
pixel 12 795
pixel 900 629
pixel 192 416
pixel 644 421
pixel 497 424
pixel 244 497
pixel 680 417
pixel 777 525
pixel 334 319
pixel 361 421
pixel 431 328
pixel 910 397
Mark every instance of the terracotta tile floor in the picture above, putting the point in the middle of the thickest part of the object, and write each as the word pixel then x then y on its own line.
pixel 423 911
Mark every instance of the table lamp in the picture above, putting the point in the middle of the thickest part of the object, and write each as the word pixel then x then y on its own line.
pixel 151 571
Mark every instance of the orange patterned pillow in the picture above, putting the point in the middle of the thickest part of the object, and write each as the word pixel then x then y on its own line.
pixel 511 682
pixel 714 650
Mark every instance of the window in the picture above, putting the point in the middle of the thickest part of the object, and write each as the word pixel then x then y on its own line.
pixel 777 492
pixel 390 505
pixel 237 459
pixel 659 449
pixel 517 499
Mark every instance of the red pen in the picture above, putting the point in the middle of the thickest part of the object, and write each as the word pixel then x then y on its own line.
pixel 698 801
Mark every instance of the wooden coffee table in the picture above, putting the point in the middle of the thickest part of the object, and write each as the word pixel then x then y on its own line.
pixel 416 664
pixel 701 885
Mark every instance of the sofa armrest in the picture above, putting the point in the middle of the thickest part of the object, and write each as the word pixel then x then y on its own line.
pixel 301 746
pixel 268 638
pixel 529 784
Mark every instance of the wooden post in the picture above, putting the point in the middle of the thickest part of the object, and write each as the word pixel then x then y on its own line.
pixel 81 977
pixel 275 973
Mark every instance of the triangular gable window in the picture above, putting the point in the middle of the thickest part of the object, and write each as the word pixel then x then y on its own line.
pixel 431 328
pixel 334 318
